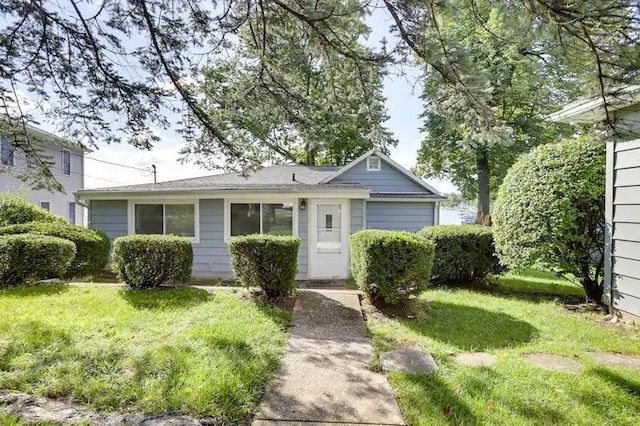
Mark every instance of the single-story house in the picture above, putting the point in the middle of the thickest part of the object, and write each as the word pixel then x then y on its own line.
pixel 322 205
pixel 622 209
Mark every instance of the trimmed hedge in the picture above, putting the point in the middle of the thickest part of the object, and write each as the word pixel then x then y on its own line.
pixel 266 261
pixel 92 247
pixel 15 209
pixel 145 261
pixel 33 257
pixel 390 264
pixel 463 252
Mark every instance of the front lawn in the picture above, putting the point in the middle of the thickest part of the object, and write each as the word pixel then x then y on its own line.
pixel 450 321
pixel 184 351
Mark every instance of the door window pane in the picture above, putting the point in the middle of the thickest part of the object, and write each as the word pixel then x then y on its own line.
pixel 180 219
pixel 149 219
pixel 245 219
pixel 277 219
pixel 329 228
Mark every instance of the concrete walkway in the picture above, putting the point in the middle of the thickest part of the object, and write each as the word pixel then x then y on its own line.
pixel 324 377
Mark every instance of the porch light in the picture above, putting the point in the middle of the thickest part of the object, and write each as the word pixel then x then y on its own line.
pixel 303 204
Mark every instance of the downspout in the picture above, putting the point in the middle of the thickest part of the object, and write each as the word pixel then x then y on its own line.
pixel 436 214
pixel 609 284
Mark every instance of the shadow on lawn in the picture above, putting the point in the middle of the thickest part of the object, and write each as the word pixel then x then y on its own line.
pixel 165 298
pixel 471 328
pixel 34 290
pixel 630 386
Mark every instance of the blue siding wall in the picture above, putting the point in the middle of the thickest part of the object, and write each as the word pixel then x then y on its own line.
pixel 387 179
pixel 357 215
pixel 109 216
pixel 211 256
pixel 407 216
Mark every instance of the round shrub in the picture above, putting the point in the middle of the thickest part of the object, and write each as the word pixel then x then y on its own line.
pixel 390 264
pixel 463 252
pixel 145 261
pixel 550 211
pixel 92 247
pixel 33 257
pixel 266 261
pixel 15 209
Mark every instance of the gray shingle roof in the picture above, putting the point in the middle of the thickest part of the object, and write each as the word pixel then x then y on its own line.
pixel 267 178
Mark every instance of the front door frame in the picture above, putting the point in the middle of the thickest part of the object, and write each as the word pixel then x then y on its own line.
pixel 312 236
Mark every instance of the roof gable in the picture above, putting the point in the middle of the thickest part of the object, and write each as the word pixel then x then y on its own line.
pixel 405 180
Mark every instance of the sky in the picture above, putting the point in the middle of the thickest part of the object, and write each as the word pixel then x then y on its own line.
pixel 403 109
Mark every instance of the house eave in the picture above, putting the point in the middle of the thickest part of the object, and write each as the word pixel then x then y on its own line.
pixel 593 110
pixel 316 192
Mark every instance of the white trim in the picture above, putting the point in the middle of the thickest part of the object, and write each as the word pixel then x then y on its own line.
pixel 358 193
pixel 436 214
pixel 405 200
pixel 131 220
pixel 609 277
pixel 277 198
pixel 370 168
pixel 364 214
pixel 591 110
pixel 397 166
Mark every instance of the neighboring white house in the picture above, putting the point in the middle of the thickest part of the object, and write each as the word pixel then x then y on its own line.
pixel 68 168
pixel 622 213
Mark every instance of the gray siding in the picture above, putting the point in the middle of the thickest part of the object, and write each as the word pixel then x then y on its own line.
pixel 402 216
pixel 357 215
pixel 109 216
pixel 624 163
pixel 387 179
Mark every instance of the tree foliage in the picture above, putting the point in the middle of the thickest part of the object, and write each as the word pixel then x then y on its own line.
pixel 286 97
pixel 521 73
pixel 110 71
pixel 550 210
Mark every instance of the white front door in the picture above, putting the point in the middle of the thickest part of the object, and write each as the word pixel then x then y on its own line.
pixel 329 239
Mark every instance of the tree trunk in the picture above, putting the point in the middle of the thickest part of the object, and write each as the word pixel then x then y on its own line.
pixel 484 194
pixel 593 289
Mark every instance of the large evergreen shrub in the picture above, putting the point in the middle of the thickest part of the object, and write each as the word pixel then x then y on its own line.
pixel 15 209
pixel 390 264
pixel 462 252
pixel 92 247
pixel 550 210
pixel 33 257
pixel 266 261
pixel 144 261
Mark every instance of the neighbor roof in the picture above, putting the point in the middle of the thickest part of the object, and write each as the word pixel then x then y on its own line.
pixel 45 137
pixel 590 110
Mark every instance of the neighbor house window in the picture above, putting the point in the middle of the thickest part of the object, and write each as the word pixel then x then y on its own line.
pixel 7 152
pixel 45 205
pixel 164 218
pixel 261 218
pixel 373 164
pixel 66 162
pixel 72 213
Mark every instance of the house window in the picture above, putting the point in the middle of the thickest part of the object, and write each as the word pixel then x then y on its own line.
pixel 72 213
pixel 261 218
pixel 7 152
pixel 163 218
pixel 373 164
pixel 45 205
pixel 66 162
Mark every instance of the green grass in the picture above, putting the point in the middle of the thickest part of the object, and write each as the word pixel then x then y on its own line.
pixel 539 282
pixel 159 351
pixel 511 391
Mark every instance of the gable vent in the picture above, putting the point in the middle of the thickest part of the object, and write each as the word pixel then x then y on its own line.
pixel 373 163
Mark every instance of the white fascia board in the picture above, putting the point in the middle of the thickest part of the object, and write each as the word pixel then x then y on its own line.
pixel 406 200
pixel 592 110
pixel 246 195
